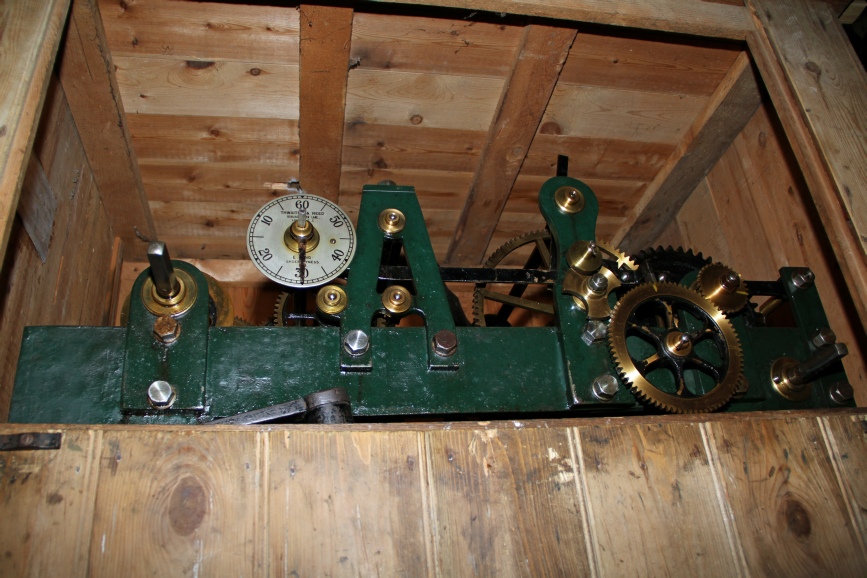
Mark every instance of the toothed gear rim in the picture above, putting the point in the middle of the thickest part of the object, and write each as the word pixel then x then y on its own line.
pixel 675 264
pixel 644 329
pixel 543 236
pixel 707 283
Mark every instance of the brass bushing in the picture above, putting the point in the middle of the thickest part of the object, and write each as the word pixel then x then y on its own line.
pixel 392 221
pixel 569 199
pixel 780 380
pixel 584 257
pixel 678 344
pixel 175 305
pixel 396 299
pixel 331 300
pixel 296 234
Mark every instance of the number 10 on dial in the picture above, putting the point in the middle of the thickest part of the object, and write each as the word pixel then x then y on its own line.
pixel 301 240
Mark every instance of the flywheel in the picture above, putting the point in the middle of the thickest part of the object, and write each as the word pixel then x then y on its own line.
pixel 676 350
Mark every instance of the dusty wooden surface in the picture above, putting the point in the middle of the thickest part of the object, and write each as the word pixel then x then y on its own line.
pixel 759 494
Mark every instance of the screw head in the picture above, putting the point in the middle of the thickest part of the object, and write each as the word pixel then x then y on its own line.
pixel 842 392
pixel 594 332
pixel 356 342
pixel 161 394
pixel 824 336
pixel 167 329
pixel 605 387
pixel 445 343
pixel 803 278
pixel 598 283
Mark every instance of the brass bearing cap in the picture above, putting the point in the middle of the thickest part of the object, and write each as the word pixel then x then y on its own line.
pixel 396 299
pixel 296 234
pixel 331 300
pixel 392 221
pixel 175 305
pixel 584 257
pixel 569 199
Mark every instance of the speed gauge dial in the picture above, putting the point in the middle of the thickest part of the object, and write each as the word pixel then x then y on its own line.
pixel 301 240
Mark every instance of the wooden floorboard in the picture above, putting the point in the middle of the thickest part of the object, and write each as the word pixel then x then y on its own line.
pixel 757 494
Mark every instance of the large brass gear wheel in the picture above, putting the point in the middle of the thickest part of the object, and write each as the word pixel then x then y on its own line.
pixel 675 349
pixel 539 258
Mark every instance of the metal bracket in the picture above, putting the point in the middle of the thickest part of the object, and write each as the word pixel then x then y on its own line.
pixel 30 441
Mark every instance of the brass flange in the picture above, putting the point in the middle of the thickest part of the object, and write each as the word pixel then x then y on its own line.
pixel 331 300
pixel 781 382
pixel 396 299
pixel 296 233
pixel 175 305
pixel 392 221
pixel 569 199
pixel 584 257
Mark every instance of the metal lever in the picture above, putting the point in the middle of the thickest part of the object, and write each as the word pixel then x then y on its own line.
pixel 792 378
pixel 162 273
pixel 330 406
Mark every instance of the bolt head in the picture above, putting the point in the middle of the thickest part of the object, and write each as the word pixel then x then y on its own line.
pixel 605 387
pixel 803 278
pixel 842 392
pixel 161 394
pixel 824 336
pixel 445 343
pixel 598 283
pixel 167 329
pixel 594 332
pixel 356 342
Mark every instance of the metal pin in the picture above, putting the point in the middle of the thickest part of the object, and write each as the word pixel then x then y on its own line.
pixel 162 273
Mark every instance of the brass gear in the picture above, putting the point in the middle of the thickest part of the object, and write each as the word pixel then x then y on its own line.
pixel 723 287
pixel 278 308
pixel 542 240
pixel 675 336
pixel 596 303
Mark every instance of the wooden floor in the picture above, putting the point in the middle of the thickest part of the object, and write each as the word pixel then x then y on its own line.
pixel 769 494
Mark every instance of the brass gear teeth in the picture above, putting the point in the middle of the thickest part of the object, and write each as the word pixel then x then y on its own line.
pixel 622 258
pixel 494 260
pixel 643 389
pixel 729 303
pixel 278 308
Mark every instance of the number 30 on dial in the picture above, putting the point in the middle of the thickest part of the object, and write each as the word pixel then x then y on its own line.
pixel 301 240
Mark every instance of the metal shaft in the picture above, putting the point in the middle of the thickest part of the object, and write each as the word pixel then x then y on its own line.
pixel 808 370
pixel 162 272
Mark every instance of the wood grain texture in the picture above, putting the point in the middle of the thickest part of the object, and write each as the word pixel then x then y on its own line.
pixel 789 514
pixel 525 97
pixel 847 438
pixel 810 151
pixel 348 503
pixel 717 19
pixel 29 37
pixel 505 503
pixel 830 86
pixel 201 31
pixel 197 507
pixel 88 77
pixel 637 476
pixel 37 206
pixel 326 34
pixel 48 501
pixel 726 113
pixel 700 228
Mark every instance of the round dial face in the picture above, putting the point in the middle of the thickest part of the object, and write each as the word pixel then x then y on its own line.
pixel 325 254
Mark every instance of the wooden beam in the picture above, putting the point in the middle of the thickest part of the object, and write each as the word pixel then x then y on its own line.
pixel 525 96
pixel 717 18
pixel 88 79
pixel 819 89
pixel 725 115
pixel 29 36
pixel 326 34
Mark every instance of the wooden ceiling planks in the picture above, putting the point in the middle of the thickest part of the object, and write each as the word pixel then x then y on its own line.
pixel 212 99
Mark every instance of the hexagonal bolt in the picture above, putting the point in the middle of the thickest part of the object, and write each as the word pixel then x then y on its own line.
pixel 803 278
pixel 356 342
pixel 167 329
pixel 161 394
pixel 598 283
pixel 605 387
pixel 445 343
pixel 594 332
pixel 842 392
pixel 742 388
pixel 824 336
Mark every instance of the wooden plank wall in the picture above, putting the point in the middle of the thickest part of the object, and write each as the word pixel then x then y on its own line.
pixel 762 496
pixel 74 284
pixel 211 93
pixel 754 212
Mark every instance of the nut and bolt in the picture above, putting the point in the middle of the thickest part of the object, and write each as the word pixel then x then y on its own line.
pixel 356 342
pixel 26 440
pixel 598 283
pixel 161 394
pixel 742 388
pixel 167 329
pixel 445 343
pixel 842 392
pixel 594 332
pixel 730 282
pixel 803 278
pixel 824 336
pixel 605 387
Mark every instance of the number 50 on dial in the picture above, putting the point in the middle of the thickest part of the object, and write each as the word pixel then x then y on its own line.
pixel 301 240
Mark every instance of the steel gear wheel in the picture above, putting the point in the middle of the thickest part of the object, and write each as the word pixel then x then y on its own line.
pixel 675 349
pixel 723 286
pixel 668 264
pixel 541 256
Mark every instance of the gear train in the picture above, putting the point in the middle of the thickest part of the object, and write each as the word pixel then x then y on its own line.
pixel 579 329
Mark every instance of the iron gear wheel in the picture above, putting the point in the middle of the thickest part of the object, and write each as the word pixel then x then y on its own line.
pixel 668 264
pixel 675 349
